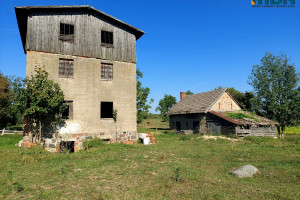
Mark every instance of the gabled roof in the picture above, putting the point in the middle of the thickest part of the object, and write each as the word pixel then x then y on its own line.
pixel 197 103
pixel 23 11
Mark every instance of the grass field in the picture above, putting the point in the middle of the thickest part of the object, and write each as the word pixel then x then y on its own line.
pixel 177 167
pixel 293 130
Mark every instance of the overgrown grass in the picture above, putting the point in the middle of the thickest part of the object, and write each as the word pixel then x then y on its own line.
pixel 240 116
pixel 293 130
pixel 177 167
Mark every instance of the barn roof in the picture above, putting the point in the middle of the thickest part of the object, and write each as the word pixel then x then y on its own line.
pixel 197 103
pixel 258 120
pixel 23 11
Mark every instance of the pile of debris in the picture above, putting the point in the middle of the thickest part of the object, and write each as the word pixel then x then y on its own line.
pixel 146 138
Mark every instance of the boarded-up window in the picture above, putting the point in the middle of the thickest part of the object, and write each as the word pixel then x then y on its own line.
pixel 68 113
pixel 66 32
pixel 106 110
pixel 66 68
pixel 106 71
pixel 107 38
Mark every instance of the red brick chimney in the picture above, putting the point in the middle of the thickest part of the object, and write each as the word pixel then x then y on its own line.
pixel 182 94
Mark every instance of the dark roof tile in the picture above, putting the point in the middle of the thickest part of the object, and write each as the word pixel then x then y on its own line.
pixel 197 103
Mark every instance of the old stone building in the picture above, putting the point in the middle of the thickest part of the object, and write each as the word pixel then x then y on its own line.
pixel 92 56
pixel 217 112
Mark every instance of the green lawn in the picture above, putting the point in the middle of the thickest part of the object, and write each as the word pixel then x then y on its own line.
pixel 177 167
pixel 293 130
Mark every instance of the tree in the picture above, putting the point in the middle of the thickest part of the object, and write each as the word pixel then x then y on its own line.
pixel 42 103
pixel 276 90
pixel 248 99
pixel 16 84
pixel 188 92
pixel 165 105
pixel 141 98
pixel 6 96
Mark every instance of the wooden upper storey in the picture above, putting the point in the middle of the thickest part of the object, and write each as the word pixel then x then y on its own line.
pixel 77 30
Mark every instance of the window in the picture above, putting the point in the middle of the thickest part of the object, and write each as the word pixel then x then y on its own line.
pixel 107 38
pixel 66 32
pixel 67 146
pixel 186 124
pixel 106 71
pixel 106 110
pixel 66 68
pixel 68 113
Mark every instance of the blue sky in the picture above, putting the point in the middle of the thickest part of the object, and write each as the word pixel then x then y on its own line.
pixel 196 45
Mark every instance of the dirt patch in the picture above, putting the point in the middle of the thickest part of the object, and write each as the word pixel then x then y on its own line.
pixel 211 137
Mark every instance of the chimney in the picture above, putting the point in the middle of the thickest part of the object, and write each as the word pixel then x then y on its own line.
pixel 182 94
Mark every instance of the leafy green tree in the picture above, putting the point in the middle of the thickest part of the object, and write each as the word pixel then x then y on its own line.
pixel 276 90
pixel 141 98
pixel 42 103
pixel 6 96
pixel 16 84
pixel 165 105
pixel 188 92
pixel 248 99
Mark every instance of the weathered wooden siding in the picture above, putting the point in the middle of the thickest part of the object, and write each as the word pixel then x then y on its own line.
pixel 216 125
pixel 43 35
pixel 187 122
pixel 256 130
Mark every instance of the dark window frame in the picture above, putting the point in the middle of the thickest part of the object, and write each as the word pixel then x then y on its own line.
pixel 107 71
pixel 66 68
pixel 107 38
pixel 68 113
pixel 106 109
pixel 66 32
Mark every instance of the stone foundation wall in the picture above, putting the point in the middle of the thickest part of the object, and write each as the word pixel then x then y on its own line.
pixel 53 144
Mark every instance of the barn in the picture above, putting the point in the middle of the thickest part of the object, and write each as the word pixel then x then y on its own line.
pixel 217 112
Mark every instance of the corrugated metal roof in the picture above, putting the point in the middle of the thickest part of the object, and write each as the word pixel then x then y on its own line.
pixel 197 103
pixel 23 11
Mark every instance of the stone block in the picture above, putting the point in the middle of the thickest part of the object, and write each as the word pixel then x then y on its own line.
pixel 244 171
pixel 28 144
pixel 27 138
pixel 133 137
pixel 129 142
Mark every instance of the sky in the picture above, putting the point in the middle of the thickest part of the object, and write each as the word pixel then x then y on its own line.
pixel 192 45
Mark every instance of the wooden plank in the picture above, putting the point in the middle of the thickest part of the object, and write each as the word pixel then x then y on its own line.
pixel 43 35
